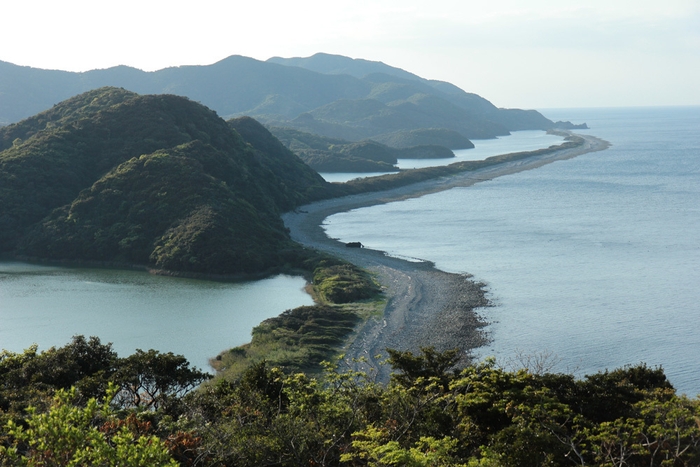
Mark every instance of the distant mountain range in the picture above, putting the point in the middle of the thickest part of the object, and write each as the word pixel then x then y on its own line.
pixel 328 95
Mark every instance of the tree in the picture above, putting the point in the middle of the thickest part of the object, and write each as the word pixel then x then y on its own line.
pixel 86 364
pixel 373 448
pixel 68 435
pixel 429 364
pixel 151 379
pixel 25 378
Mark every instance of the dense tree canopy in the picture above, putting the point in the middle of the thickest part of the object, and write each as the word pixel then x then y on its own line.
pixel 430 414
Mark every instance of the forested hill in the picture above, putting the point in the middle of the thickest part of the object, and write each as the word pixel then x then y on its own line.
pixel 329 95
pixel 155 180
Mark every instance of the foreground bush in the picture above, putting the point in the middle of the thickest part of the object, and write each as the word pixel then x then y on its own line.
pixel 69 435
pixel 430 414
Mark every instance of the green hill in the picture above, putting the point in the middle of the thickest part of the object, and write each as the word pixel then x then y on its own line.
pixel 232 86
pixel 155 180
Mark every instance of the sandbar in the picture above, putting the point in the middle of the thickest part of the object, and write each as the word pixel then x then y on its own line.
pixel 425 306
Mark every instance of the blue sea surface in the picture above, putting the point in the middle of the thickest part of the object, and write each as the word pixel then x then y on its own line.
pixel 595 259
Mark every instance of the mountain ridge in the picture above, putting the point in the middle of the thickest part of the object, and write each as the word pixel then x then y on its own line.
pixel 282 92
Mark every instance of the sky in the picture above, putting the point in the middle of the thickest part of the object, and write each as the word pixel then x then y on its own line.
pixel 526 54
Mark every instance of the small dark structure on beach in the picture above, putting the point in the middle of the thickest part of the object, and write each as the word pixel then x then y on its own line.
pixel 354 245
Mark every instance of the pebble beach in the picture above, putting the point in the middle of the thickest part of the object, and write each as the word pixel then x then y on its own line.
pixel 425 306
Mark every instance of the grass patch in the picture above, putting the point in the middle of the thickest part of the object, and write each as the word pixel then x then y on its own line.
pixel 342 283
pixel 301 338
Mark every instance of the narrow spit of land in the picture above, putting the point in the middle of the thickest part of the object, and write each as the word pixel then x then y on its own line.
pixel 426 306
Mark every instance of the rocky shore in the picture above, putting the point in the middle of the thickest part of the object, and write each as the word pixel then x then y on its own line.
pixel 426 306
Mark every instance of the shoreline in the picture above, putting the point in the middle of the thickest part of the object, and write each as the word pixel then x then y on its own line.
pixel 425 306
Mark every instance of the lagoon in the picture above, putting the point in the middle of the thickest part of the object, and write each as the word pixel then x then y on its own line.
pixel 48 305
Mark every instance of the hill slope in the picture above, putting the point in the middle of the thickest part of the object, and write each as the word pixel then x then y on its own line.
pixel 394 84
pixel 153 180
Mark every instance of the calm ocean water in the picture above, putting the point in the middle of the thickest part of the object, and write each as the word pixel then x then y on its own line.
pixel 594 259
pixel 198 319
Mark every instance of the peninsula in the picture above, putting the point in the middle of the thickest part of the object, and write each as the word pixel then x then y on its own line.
pixel 425 306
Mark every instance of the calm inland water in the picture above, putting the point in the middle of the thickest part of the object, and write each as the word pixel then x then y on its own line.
pixel 135 310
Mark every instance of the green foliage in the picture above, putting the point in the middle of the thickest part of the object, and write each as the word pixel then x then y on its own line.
pixel 297 340
pixel 425 137
pixel 297 140
pixel 149 380
pixel 26 377
pixel 342 283
pixel 429 364
pixel 296 184
pixel 67 435
pixel 146 380
pixel 426 152
pixel 367 118
pixel 72 110
pixel 276 419
pixel 373 448
pixel 338 155
pixel 300 339
pixel 428 415
pixel 484 416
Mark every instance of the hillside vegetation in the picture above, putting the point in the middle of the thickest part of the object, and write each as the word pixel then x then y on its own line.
pixel 326 154
pixel 114 177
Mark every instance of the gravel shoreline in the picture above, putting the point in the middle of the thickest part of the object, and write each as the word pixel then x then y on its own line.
pixel 426 306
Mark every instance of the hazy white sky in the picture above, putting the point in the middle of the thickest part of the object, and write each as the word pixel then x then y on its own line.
pixel 528 54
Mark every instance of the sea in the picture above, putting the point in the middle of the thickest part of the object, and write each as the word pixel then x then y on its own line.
pixel 591 263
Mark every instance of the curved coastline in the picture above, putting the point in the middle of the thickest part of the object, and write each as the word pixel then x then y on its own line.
pixel 426 306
